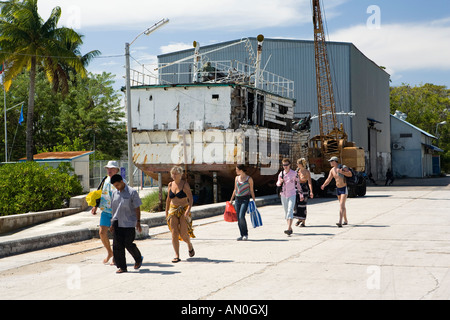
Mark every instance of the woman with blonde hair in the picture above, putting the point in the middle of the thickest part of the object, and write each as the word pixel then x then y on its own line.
pixel 178 212
pixel 306 191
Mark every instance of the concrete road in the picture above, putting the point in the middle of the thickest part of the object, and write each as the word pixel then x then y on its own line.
pixel 397 246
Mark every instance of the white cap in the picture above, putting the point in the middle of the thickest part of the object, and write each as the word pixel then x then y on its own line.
pixel 334 159
pixel 112 164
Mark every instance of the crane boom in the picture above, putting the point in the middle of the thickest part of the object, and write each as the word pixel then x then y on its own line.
pixel 330 134
pixel 324 86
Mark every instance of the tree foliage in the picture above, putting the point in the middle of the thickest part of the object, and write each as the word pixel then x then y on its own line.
pixel 89 117
pixel 27 42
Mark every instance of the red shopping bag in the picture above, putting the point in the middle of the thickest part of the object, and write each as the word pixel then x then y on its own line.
pixel 230 214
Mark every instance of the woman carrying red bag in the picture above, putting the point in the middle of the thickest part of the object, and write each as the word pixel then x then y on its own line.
pixel 243 189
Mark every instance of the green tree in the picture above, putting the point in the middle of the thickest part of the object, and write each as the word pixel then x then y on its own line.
pixel 90 112
pixel 426 106
pixel 29 42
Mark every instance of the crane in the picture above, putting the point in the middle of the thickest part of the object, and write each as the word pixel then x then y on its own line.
pixel 330 135
pixel 332 140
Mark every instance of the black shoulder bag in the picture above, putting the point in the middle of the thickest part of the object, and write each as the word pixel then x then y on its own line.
pixel 280 188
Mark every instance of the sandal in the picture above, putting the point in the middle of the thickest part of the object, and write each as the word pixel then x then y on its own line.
pixel 175 260
pixel 191 252
pixel 121 271
pixel 137 265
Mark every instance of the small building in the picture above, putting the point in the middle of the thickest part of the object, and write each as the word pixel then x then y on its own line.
pixel 79 161
pixel 413 154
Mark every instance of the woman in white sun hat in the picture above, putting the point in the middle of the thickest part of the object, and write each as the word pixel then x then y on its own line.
pixel 104 203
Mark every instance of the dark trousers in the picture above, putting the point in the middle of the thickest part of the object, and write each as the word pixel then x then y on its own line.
pixel 123 239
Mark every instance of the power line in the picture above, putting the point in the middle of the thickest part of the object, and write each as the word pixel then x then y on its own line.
pixel 61 57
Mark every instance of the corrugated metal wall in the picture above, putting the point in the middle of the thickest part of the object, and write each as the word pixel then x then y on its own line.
pixel 370 99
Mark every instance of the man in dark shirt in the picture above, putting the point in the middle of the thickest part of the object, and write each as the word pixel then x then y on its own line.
pixel 126 215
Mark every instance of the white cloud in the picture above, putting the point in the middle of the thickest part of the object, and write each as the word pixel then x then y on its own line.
pixel 194 14
pixel 176 47
pixel 402 47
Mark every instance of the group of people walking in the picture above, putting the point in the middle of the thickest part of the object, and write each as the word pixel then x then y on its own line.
pixel 121 215
pixel 120 206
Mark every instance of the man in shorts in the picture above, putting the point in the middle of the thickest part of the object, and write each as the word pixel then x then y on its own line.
pixel 104 203
pixel 339 173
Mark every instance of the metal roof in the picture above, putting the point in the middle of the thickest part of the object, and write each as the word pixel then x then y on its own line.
pixel 413 126
pixel 59 156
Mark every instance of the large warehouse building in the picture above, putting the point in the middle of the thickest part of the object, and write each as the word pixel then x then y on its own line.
pixel 359 84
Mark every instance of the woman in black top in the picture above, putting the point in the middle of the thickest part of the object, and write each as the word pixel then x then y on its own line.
pixel 178 212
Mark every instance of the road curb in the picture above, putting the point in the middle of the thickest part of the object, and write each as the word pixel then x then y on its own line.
pixel 14 247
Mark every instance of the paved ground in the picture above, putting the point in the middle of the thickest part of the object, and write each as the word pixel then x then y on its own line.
pixel 397 246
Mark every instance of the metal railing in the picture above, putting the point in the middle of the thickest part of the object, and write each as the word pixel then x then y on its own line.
pixel 97 172
pixel 229 71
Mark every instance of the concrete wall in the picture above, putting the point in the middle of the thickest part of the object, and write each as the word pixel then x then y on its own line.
pixel 18 221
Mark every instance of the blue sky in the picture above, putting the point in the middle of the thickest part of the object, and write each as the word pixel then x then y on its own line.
pixel 411 38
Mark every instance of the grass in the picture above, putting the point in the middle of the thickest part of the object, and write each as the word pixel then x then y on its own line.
pixel 150 202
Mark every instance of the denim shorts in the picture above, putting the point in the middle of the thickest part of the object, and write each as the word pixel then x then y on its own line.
pixel 105 219
pixel 288 205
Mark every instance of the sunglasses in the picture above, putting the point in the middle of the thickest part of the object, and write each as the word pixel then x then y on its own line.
pixel 285 165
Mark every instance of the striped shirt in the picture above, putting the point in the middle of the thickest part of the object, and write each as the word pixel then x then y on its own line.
pixel 242 188
pixel 290 183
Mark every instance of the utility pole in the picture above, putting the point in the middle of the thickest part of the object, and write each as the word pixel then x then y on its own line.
pixel 128 97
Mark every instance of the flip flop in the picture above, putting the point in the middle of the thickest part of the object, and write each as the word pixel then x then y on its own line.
pixel 137 265
pixel 191 252
pixel 175 260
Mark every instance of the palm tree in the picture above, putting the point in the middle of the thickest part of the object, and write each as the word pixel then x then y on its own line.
pixel 29 42
pixel 61 74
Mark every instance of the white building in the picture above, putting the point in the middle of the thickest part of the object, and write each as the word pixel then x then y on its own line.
pixel 413 154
